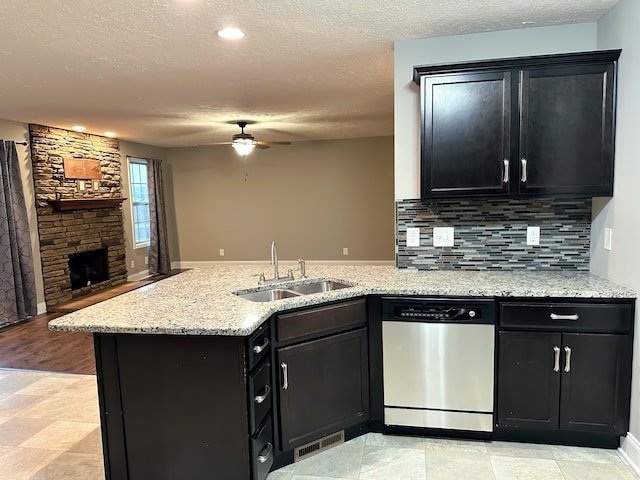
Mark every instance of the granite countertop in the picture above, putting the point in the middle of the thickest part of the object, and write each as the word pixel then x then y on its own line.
pixel 201 301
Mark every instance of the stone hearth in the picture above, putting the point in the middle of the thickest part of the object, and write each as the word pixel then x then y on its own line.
pixel 74 231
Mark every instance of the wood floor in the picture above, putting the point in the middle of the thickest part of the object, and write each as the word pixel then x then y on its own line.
pixel 30 345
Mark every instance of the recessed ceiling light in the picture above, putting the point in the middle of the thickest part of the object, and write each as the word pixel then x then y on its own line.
pixel 109 134
pixel 79 128
pixel 231 33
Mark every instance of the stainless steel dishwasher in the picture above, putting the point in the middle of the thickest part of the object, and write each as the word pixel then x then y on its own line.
pixel 438 363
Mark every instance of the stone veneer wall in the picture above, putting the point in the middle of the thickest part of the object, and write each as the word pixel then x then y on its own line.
pixel 66 232
pixel 491 234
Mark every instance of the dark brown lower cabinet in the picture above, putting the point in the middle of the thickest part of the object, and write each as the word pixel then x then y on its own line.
pixel 528 386
pixel 323 387
pixel 566 386
pixel 185 407
pixel 578 391
pixel 594 394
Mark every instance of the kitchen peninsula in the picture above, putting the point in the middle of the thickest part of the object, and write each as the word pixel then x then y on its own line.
pixel 193 378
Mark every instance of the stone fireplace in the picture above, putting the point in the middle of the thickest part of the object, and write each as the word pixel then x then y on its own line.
pixel 76 215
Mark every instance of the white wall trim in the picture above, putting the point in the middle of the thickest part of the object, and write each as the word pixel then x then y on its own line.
pixel 41 308
pixel 390 263
pixel 630 450
pixel 139 275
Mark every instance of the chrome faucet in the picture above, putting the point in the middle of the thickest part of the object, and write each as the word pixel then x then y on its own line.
pixel 276 272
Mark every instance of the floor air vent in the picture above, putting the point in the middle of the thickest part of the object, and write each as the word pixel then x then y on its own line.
pixel 318 446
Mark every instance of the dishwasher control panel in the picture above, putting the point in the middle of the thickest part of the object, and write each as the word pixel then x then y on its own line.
pixel 439 310
pixel 436 313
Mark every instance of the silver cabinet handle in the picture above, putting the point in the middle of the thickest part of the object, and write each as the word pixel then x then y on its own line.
pixel 263 457
pixel 260 348
pixel 523 177
pixel 567 363
pixel 555 316
pixel 505 175
pixel 556 357
pixel 285 376
pixel 263 397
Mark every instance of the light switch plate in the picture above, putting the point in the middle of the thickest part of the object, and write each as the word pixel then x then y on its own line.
pixel 413 237
pixel 443 236
pixel 607 238
pixel 533 235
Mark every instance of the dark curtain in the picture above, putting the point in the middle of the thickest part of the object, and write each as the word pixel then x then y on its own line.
pixel 159 262
pixel 17 279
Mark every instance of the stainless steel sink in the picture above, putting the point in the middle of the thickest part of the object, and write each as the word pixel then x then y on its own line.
pixel 318 287
pixel 280 292
pixel 268 295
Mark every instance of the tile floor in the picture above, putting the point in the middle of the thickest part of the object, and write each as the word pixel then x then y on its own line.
pixel 49 430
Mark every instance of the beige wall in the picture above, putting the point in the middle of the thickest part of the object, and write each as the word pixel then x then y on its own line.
pixel 135 255
pixel 312 198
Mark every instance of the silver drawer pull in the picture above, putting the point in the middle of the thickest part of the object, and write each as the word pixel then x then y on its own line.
pixel 263 397
pixel 260 348
pixel 285 376
pixel 263 457
pixel 523 178
pixel 505 175
pixel 555 316
pixel 556 359
pixel 567 361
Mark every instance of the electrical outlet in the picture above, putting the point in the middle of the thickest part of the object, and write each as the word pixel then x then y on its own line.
pixel 222 252
pixel 133 264
pixel 345 251
pixel 146 260
pixel 413 237
pixel 443 236
pixel 607 238
pixel 533 235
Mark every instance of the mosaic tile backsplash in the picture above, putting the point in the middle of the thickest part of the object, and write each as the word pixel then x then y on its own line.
pixel 491 234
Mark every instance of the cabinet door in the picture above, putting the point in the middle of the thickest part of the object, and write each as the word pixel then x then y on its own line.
pixel 324 387
pixel 466 134
pixel 595 383
pixel 566 130
pixel 528 380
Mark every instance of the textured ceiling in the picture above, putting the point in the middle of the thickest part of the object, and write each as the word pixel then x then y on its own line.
pixel 154 72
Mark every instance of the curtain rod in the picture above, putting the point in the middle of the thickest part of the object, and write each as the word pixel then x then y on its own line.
pixel 22 143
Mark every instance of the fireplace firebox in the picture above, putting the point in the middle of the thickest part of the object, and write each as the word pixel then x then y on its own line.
pixel 88 268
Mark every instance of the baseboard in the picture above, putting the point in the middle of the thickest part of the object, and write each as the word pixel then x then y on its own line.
pixel 389 263
pixel 138 276
pixel 41 308
pixel 630 450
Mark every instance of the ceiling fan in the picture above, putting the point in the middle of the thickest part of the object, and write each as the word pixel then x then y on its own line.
pixel 244 143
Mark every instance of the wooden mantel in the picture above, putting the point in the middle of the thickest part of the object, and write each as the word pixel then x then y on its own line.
pixel 65 204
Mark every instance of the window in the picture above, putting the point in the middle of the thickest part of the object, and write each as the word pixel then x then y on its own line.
pixel 139 201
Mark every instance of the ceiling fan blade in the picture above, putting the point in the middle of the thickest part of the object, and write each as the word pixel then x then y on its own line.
pixel 218 143
pixel 273 143
pixel 261 145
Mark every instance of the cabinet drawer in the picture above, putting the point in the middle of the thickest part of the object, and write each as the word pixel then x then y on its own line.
pixel 259 345
pixel 590 317
pixel 327 319
pixel 262 450
pixel 260 392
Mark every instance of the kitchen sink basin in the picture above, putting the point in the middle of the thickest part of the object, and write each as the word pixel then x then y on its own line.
pixel 279 292
pixel 318 287
pixel 268 295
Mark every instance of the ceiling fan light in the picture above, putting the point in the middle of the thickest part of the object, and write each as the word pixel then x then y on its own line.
pixel 231 33
pixel 243 146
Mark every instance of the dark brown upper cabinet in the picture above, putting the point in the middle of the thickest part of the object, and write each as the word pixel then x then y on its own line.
pixel 518 127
